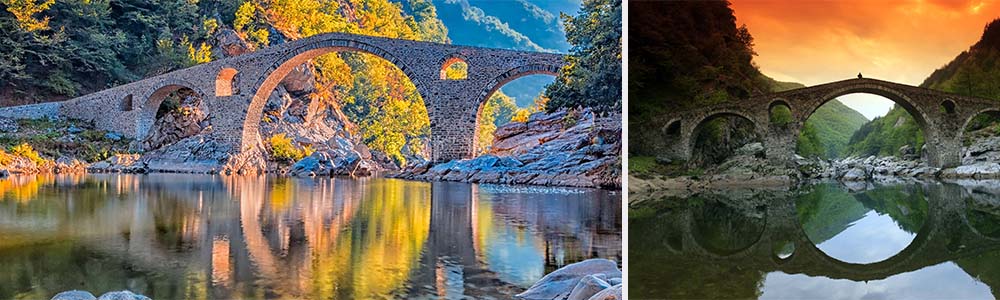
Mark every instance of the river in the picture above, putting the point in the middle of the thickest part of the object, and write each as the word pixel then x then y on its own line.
pixel 173 236
pixel 902 240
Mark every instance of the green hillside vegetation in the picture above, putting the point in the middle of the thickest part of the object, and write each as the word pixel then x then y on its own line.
pixel 828 131
pixel 884 135
pixel 975 72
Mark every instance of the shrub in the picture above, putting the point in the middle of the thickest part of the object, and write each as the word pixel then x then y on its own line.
pixel 282 148
pixel 25 150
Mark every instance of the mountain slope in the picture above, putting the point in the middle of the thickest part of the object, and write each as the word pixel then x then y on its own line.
pixel 827 132
pixel 531 25
pixel 975 72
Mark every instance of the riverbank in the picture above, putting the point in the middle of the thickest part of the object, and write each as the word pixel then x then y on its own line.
pixel 748 168
pixel 564 148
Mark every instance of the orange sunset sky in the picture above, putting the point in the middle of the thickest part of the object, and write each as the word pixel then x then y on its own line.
pixel 813 42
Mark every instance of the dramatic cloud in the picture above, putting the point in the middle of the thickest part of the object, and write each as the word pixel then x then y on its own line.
pixel 813 42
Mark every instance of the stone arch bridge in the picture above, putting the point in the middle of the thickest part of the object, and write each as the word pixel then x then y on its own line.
pixel 236 88
pixel 941 116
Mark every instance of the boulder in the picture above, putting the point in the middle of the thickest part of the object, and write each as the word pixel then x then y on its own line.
pixel 122 295
pixel 855 174
pixel 318 163
pixel 751 149
pixel 612 293
pixel 74 295
pixel 231 43
pixel 588 286
pixel 560 284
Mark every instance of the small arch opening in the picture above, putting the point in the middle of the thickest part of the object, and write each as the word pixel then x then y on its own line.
pixel 783 250
pixel 454 69
pixel 224 82
pixel 780 114
pixel 126 104
pixel 948 107
pixel 673 129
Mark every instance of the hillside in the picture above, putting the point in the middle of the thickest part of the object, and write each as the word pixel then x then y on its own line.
pixel 975 72
pixel 532 25
pixel 827 132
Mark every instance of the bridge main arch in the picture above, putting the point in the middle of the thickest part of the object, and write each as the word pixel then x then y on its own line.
pixel 283 65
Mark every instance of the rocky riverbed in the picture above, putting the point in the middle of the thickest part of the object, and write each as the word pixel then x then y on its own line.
pixel 749 168
pixel 592 279
pixel 564 148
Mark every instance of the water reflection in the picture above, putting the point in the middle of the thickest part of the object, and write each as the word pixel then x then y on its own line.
pixel 902 241
pixel 184 236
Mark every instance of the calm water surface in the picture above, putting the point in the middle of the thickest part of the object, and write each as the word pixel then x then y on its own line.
pixel 822 241
pixel 200 236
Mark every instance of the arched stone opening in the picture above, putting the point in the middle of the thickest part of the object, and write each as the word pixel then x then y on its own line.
pixel 780 113
pixel 492 133
pixel 225 82
pixel 719 136
pixel 724 230
pixel 834 130
pixel 516 74
pixel 454 68
pixel 126 103
pixel 673 129
pixel 982 125
pixel 172 113
pixel 303 105
pixel 948 107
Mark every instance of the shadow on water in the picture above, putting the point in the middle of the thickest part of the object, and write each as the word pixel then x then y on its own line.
pixel 898 241
pixel 194 237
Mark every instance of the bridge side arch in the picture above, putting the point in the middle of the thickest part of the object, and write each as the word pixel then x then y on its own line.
pixel 687 134
pixel 298 56
pixel 153 99
pixel 510 75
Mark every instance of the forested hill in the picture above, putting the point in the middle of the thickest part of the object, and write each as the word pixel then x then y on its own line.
pixel 828 130
pixel 532 25
pixel 975 72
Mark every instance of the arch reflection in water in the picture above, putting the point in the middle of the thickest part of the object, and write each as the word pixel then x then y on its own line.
pixel 929 266
pixel 184 236
pixel 864 227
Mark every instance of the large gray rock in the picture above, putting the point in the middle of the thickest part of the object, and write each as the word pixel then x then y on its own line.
pixel 74 295
pixel 855 174
pixel 612 293
pixel 122 295
pixel 588 286
pixel 560 284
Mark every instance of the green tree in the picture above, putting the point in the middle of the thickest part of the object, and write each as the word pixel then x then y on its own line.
pixel 592 76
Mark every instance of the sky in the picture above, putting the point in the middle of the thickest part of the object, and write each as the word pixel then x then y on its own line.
pixel 819 41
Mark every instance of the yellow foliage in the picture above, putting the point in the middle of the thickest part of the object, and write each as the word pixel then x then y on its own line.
pixel 282 148
pixel 24 11
pixel 201 55
pixel 521 115
pixel 25 150
pixel 457 71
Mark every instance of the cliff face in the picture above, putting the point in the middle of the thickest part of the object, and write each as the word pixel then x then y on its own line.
pixel 564 148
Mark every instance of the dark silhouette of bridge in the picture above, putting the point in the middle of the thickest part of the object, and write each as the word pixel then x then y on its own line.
pixel 941 116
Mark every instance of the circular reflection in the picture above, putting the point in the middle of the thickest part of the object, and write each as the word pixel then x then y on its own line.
pixel 866 227
pixel 784 249
pixel 984 216
pixel 725 229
